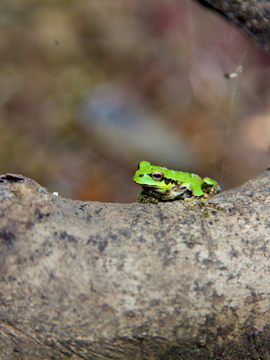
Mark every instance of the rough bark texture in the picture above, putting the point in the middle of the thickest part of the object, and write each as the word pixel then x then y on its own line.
pixel 251 16
pixel 86 280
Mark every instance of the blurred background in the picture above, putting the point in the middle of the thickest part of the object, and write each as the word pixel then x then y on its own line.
pixel 90 88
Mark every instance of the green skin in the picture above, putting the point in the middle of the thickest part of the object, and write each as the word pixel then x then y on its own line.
pixel 161 184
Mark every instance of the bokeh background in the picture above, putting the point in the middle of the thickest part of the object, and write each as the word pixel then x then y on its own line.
pixel 89 88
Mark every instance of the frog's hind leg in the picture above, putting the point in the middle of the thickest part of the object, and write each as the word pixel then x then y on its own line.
pixel 215 190
pixel 210 187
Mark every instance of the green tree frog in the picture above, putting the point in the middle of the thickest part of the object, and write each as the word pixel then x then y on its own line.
pixel 161 184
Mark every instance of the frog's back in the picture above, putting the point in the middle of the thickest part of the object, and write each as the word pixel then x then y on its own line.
pixel 185 177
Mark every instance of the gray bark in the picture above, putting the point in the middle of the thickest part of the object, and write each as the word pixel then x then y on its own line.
pixel 87 280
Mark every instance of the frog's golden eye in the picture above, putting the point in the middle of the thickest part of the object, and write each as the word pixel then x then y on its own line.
pixel 157 176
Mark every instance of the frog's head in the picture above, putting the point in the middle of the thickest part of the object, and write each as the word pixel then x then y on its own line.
pixel 151 176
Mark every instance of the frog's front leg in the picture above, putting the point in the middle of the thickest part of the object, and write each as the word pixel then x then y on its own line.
pixel 145 198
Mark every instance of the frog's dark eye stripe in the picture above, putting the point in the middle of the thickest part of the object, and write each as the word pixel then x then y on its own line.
pixel 157 176
pixel 169 181
pixel 138 166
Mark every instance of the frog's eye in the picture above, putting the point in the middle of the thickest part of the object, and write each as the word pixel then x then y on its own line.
pixel 157 176
pixel 138 166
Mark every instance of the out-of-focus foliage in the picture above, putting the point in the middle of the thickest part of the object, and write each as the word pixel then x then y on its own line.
pixel 90 88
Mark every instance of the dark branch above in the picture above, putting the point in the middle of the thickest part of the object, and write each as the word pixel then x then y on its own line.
pixel 252 17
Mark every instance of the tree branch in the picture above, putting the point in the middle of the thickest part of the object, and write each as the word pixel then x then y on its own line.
pixel 86 280
pixel 252 17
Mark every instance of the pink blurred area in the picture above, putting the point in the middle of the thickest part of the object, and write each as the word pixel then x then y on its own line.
pixel 90 88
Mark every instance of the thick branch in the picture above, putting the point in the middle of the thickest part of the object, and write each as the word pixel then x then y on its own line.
pixel 253 17
pixel 138 281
